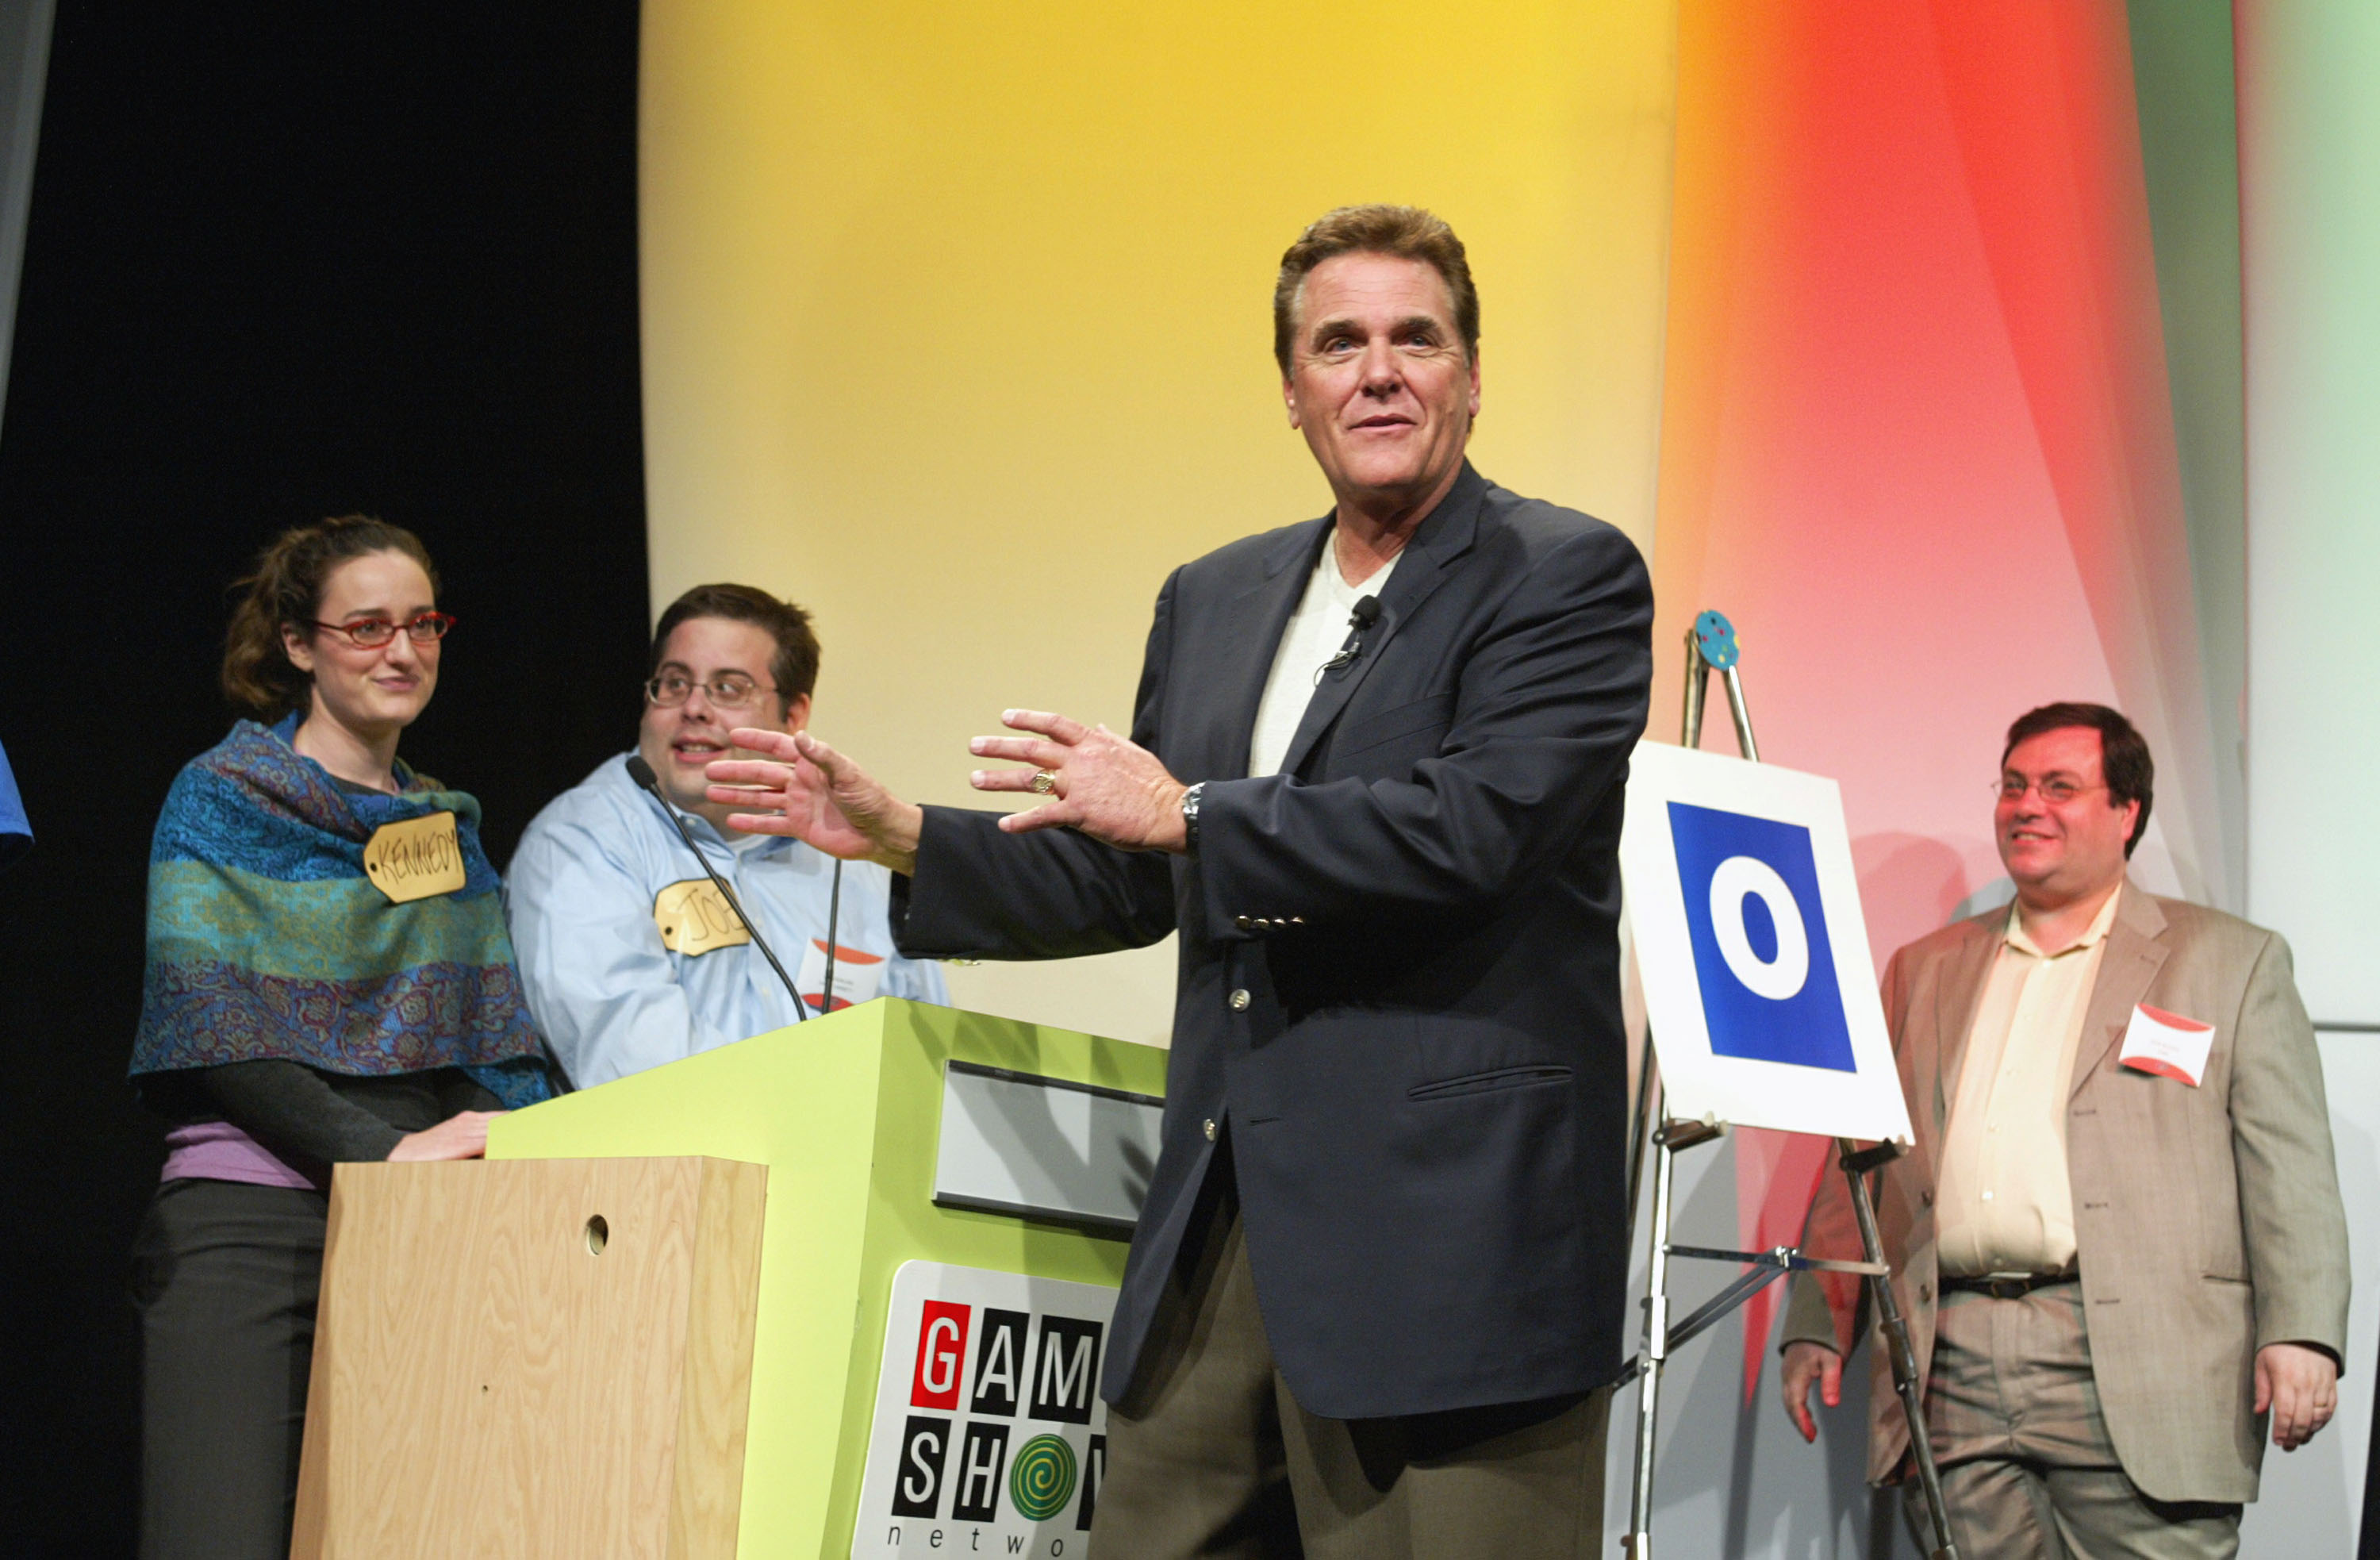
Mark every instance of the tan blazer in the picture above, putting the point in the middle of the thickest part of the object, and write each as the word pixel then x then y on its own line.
pixel 2207 1220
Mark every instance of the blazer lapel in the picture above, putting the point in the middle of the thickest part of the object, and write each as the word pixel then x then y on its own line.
pixel 2135 952
pixel 1960 995
pixel 1445 536
pixel 1249 635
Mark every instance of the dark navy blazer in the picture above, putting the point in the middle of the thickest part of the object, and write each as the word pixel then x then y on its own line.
pixel 1400 968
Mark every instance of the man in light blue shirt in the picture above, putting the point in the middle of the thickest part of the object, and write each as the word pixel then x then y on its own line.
pixel 629 954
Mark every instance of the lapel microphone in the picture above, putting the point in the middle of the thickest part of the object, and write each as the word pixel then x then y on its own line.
pixel 1366 613
pixel 642 773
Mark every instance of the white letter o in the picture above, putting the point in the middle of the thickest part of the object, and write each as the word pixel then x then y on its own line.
pixel 1781 977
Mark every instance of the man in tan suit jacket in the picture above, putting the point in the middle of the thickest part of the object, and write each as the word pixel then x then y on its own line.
pixel 2111 1275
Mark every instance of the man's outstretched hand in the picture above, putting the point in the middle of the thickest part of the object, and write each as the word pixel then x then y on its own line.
pixel 1101 785
pixel 818 796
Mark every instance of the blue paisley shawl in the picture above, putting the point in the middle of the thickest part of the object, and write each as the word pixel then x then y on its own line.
pixel 266 940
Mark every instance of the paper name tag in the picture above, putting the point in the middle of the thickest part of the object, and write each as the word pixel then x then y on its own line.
pixel 856 975
pixel 693 918
pixel 2166 1044
pixel 415 857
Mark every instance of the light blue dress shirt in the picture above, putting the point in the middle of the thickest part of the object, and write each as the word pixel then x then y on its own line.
pixel 608 995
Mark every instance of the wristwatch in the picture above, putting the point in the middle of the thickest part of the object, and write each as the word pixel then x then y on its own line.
pixel 1190 815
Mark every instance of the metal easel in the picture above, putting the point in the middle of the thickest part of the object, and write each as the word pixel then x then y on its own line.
pixel 1711 647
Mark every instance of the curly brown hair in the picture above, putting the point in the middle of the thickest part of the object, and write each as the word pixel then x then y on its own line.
pixel 284 586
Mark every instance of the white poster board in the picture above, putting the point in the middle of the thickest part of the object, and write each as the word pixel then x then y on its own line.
pixel 1752 949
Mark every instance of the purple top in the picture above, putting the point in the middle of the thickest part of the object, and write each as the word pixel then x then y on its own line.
pixel 216 1151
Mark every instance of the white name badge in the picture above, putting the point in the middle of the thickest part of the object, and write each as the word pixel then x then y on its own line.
pixel 856 975
pixel 2166 1044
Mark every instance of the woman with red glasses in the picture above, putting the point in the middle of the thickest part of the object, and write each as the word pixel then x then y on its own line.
pixel 328 978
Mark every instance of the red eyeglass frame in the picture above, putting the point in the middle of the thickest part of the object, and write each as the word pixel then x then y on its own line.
pixel 445 621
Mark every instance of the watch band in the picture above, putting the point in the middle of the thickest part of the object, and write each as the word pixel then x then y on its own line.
pixel 1190 815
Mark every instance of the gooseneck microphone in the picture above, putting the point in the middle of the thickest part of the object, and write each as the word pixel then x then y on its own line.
pixel 833 912
pixel 1359 622
pixel 642 773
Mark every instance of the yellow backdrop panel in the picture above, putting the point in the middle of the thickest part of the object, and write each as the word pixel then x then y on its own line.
pixel 956 329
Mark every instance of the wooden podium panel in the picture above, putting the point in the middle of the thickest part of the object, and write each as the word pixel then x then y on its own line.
pixel 547 1358
pixel 848 1111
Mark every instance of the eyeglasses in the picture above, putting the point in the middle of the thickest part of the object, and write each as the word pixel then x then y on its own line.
pixel 728 690
pixel 2057 790
pixel 372 633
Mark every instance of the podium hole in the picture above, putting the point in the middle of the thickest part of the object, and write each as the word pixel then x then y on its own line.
pixel 598 1234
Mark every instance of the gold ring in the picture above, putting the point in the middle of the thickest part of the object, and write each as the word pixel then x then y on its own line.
pixel 1044 782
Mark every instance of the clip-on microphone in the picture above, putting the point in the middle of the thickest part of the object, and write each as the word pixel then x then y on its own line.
pixel 1359 622
pixel 642 773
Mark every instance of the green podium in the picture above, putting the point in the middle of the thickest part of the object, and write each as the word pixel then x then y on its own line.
pixel 939 1148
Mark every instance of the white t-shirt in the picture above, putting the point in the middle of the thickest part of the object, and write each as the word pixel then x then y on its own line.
pixel 1316 630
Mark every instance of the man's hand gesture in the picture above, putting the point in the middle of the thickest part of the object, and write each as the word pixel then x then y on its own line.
pixel 818 796
pixel 1100 783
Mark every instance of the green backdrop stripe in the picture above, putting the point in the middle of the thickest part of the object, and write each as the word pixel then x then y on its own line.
pixel 2183 84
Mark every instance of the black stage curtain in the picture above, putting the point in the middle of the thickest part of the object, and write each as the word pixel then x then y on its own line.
pixel 283 262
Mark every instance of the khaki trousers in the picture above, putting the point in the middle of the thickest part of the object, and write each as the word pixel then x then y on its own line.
pixel 1212 1456
pixel 2028 1470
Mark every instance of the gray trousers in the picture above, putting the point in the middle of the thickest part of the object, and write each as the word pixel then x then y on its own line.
pixel 1212 1456
pixel 225 1278
pixel 2028 1470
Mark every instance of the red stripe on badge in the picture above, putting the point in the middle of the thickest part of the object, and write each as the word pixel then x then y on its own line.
pixel 2162 1069
pixel 2174 1019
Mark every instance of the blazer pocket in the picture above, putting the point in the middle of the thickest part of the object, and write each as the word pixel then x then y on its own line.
pixel 1399 720
pixel 1489 1082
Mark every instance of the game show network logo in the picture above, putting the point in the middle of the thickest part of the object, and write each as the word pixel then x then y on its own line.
pixel 988 1437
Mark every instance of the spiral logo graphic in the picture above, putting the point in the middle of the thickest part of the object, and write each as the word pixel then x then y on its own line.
pixel 1041 1480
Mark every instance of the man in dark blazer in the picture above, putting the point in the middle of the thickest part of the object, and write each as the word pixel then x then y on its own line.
pixel 1375 781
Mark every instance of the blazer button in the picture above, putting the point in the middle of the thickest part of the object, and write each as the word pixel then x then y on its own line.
pixel 1210 1128
pixel 1239 1000
pixel 1246 924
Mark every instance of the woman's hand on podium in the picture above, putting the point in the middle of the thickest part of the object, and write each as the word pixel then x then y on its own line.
pixel 1804 1363
pixel 816 795
pixel 463 1136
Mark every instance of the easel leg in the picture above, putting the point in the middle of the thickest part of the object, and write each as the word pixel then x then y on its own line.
pixel 1904 1358
pixel 1638 1544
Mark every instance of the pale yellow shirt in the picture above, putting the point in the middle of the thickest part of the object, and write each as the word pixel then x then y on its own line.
pixel 2002 1199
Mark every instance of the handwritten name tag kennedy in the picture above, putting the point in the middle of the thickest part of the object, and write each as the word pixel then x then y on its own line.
pixel 415 857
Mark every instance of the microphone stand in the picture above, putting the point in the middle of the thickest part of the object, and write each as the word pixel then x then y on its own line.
pixel 833 912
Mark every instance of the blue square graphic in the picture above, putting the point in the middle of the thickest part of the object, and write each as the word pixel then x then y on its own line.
pixel 1762 957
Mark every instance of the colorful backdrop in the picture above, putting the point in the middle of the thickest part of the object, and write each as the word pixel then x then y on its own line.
pixel 1968 355
pixel 956 322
